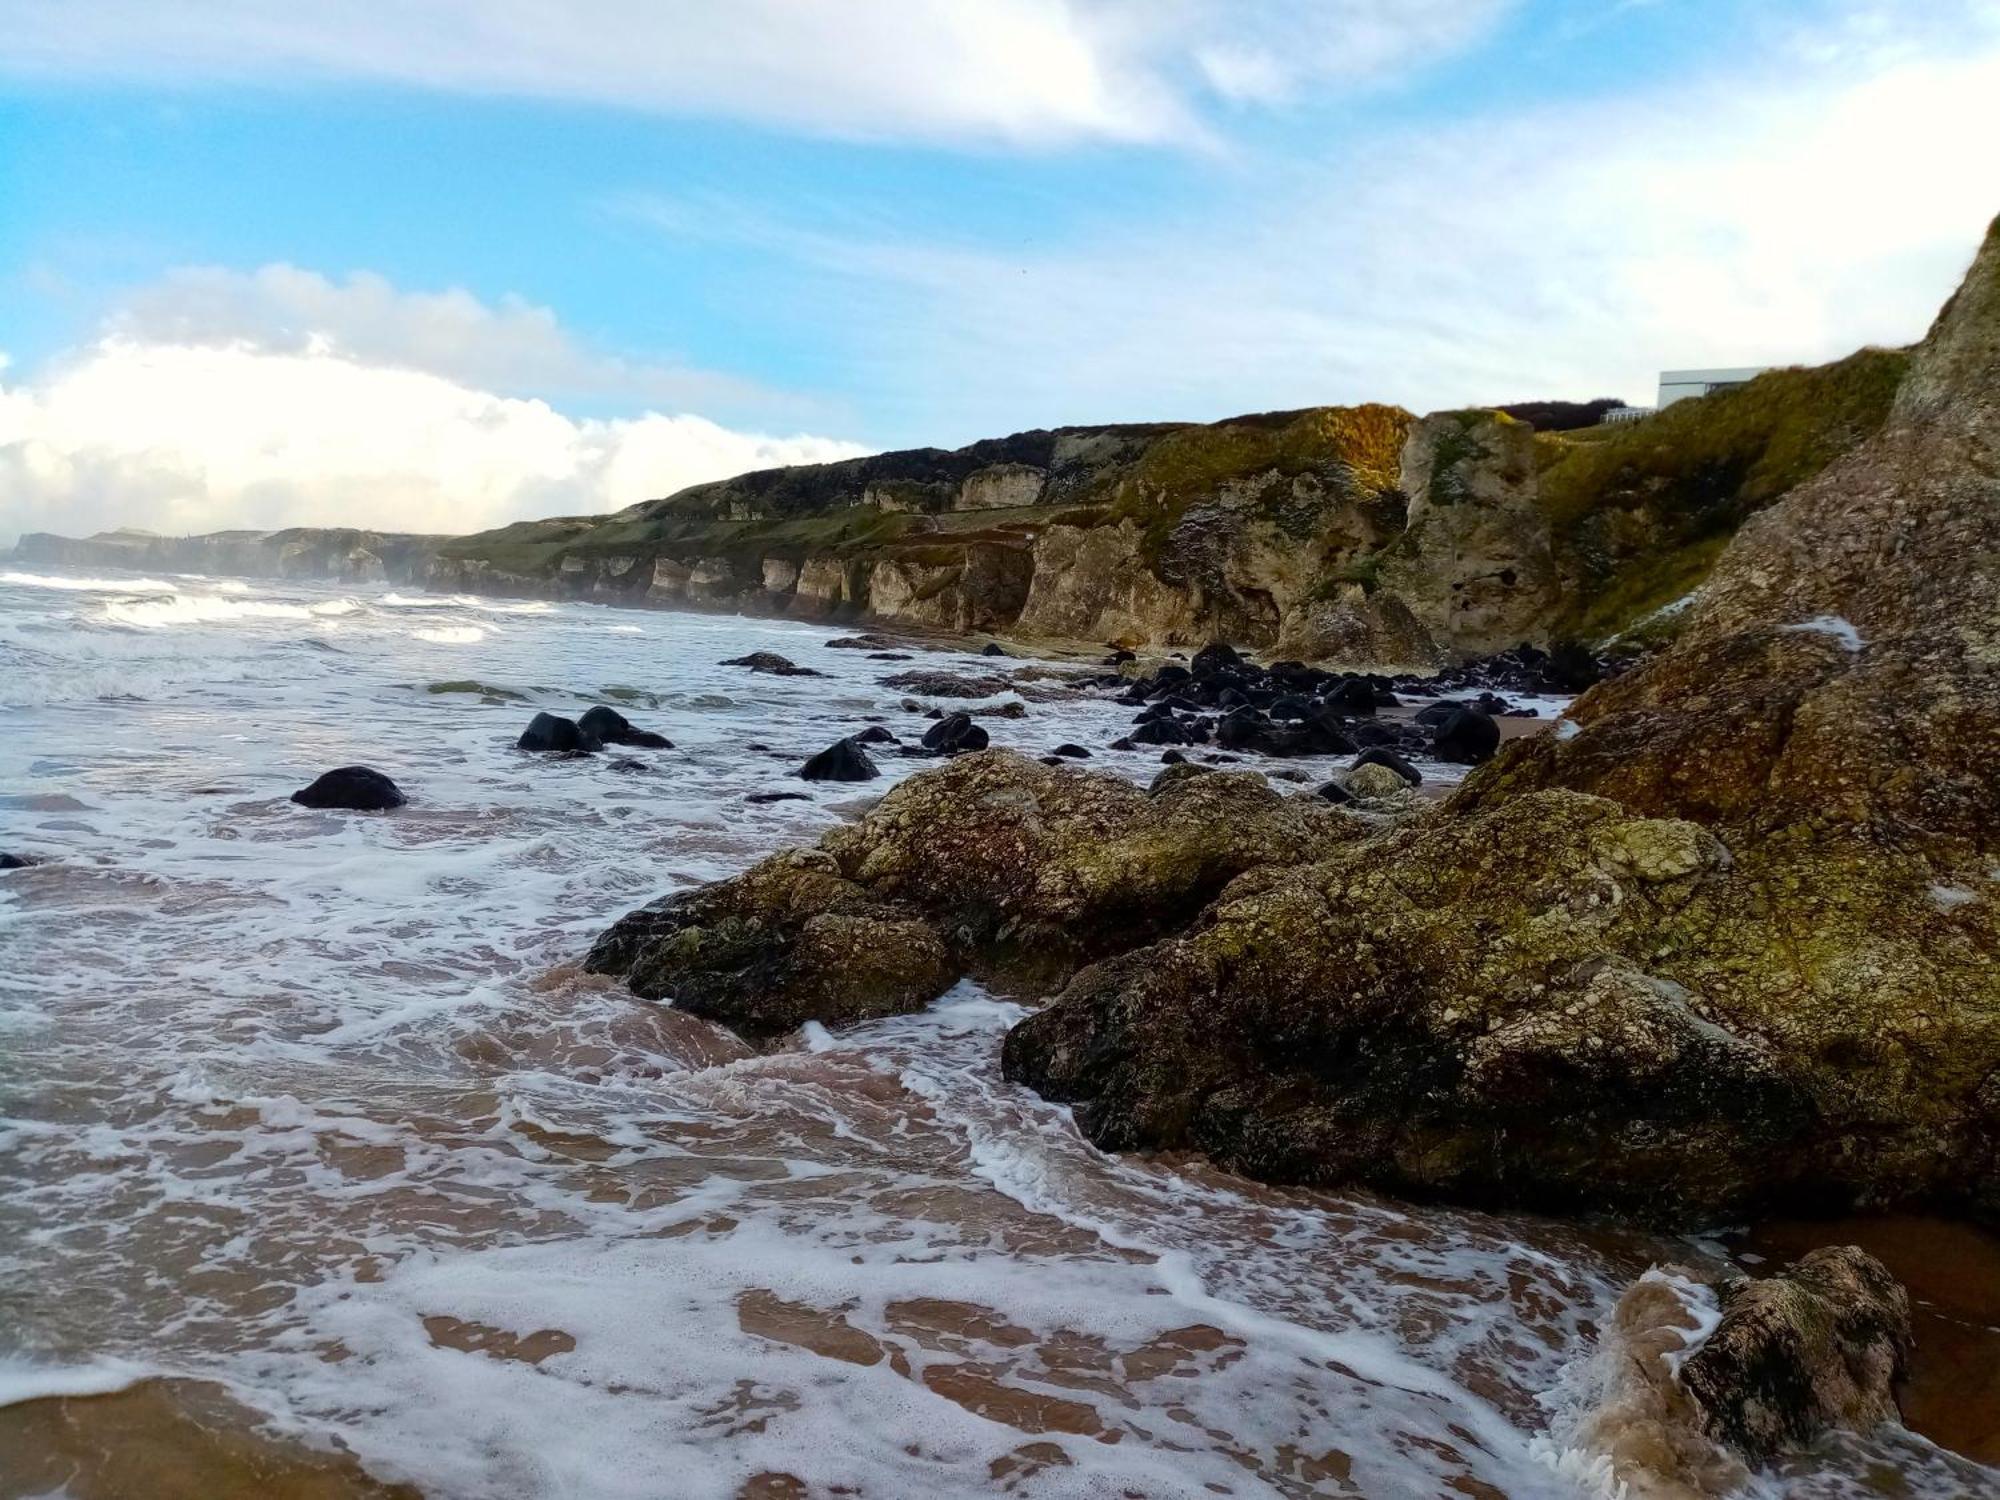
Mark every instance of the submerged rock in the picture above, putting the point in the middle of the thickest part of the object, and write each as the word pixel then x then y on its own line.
pixel 354 788
pixel 934 684
pixel 12 861
pixel 773 665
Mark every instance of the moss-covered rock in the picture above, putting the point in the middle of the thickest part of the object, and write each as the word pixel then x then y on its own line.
pixel 1823 1344
pixel 993 862
pixel 1733 940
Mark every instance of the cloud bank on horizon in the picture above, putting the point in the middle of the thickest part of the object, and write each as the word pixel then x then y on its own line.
pixel 927 222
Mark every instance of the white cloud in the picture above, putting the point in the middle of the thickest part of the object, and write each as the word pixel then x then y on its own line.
pixel 183 438
pixel 1031 72
pixel 1784 211
pixel 515 347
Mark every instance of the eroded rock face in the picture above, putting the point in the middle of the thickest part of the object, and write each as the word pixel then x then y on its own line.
pixel 994 861
pixel 1823 1344
pixel 1729 942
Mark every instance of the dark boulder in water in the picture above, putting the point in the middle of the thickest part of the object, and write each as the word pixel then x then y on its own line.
pixel 993 648
pixel 874 734
pixel 772 664
pixel 843 760
pixel 1073 752
pixel 955 734
pixel 609 727
pixel 1467 736
pixel 548 733
pixel 777 797
pixel 17 861
pixel 355 788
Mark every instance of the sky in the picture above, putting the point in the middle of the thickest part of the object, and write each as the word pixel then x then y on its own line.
pixel 445 264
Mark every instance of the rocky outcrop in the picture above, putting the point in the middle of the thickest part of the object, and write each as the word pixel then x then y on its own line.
pixel 338 555
pixel 1824 1344
pixel 1728 940
pixel 1693 1382
pixel 994 863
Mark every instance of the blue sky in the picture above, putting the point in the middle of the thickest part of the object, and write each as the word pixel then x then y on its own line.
pixel 277 263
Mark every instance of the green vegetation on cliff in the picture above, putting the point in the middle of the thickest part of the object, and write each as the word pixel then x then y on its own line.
pixel 1639 513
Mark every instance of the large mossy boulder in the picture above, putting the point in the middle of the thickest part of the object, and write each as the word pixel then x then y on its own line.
pixel 1729 939
pixel 993 863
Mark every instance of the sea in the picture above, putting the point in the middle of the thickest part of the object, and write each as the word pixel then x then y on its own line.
pixel 326 1171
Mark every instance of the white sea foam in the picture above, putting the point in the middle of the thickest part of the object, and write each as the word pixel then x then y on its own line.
pixel 27 1380
pixel 296 1085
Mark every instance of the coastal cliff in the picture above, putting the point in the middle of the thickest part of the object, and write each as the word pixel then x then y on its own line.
pixel 1363 536
pixel 336 554
pixel 1722 943
pixel 1358 536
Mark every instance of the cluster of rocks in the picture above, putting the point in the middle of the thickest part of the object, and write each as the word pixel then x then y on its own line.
pixel 552 734
pixel 847 759
pixel 1291 709
pixel 1564 670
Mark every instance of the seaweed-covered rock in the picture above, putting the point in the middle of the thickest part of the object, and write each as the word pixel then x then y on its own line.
pixel 1823 1344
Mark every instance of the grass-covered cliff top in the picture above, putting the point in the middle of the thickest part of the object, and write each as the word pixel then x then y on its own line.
pixel 1149 473
pixel 1638 513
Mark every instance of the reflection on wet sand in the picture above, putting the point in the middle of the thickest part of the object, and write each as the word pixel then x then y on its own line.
pixel 167 1440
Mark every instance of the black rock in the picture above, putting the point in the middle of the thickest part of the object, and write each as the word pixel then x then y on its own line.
pixel 993 648
pixel 874 734
pixel 777 797
pixel 955 734
pixel 843 760
pixel 1124 744
pixel 1355 697
pixel 773 664
pixel 1335 793
pixel 1291 706
pixel 1172 758
pixel 17 861
pixel 356 788
pixel 1162 731
pixel 1571 668
pixel 609 727
pixel 628 765
pixel 1216 659
pixel 546 732
pixel 1074 752
pixel 1468 737
pixel 1433 714
pixel 1381 756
